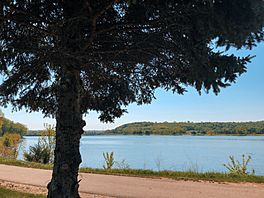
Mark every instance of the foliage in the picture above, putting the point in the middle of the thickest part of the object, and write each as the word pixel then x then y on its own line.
pixel 11 135
pixel 43 151
pixel 190 128
pixel 9 145
pixel 11 139
pixel 9 126
pixel 109 160
pixel 94 132
pixel 238 168
pixel 38 153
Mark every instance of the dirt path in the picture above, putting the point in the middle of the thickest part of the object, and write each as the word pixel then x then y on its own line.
pixel 93 185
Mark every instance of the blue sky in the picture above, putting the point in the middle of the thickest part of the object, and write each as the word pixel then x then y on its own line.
pixel 243 101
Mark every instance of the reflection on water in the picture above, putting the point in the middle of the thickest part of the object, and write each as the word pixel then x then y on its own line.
pixel 203 153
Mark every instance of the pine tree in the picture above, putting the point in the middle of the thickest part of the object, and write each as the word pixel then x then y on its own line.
pixel 66 58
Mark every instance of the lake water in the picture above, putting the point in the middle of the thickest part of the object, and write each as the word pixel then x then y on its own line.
pixel 198 153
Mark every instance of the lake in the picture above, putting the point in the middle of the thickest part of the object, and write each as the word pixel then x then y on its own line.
pixel 197 153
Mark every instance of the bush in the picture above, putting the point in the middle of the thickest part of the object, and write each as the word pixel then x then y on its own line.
pixel 38 153
pixel 43 151
pixel 9 145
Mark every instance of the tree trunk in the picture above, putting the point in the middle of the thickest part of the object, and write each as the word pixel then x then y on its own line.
pixel 64 182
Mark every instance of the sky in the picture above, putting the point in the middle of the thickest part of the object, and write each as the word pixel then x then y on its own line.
pixel 243 101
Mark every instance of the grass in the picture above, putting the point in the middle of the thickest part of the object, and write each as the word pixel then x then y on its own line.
pixel 6 193
pixel 26 164
pixel 176 175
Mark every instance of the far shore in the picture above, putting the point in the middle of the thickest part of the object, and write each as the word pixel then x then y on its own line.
pixel 255 128
pixel 237 135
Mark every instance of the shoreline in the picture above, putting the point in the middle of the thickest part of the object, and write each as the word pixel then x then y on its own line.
pixel 256 135
pixel 145 173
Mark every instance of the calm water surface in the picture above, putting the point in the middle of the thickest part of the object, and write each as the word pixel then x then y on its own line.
pixel 199 153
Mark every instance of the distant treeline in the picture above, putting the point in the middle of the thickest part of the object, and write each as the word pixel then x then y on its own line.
pixel 89 132
pixel 94 132
pixel 190 128
pixel 34 133
pixel 179 128
pixel 8 126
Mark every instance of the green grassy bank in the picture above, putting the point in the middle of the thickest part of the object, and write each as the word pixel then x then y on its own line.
pixel 6 193
pixel 177 175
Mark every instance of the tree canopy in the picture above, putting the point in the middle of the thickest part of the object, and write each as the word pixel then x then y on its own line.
pixel 123 49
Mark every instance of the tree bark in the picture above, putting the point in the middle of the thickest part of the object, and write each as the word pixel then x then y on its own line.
pixel 64 182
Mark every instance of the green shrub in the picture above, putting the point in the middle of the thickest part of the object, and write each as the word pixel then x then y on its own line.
pixel 38 153
pixel 43 151
pixel 9 145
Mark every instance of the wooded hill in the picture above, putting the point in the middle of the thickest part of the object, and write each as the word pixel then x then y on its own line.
pixel 8 126
pixel 190 128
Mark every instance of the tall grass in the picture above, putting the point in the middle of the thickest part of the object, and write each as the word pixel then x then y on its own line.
pixel 109 160
pixel 239 168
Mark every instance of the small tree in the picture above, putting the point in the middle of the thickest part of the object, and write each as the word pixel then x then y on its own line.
pixel 66 58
